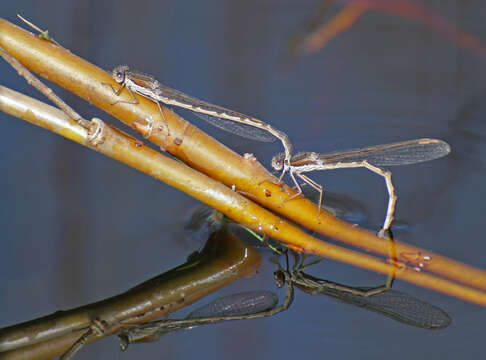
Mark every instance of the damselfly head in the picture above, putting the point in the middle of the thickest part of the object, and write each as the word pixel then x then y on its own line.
pixel 279 277
pixel 278 161
pixel 119 73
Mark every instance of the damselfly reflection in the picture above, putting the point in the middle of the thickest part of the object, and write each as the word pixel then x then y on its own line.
pixel 371 158
pixel 246 305
pixel 225 119
pixel 394 304
pixel 250 305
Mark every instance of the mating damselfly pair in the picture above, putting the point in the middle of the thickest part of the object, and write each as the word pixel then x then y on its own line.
pixel 372 158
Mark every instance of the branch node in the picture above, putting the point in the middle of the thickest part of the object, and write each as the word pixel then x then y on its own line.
pixel 96 132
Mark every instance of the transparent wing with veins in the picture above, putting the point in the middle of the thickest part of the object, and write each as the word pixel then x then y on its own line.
pixel 400 153
pixel 246 131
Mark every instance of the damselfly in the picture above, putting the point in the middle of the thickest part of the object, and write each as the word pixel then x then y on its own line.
pixel 229 120
pixel 371 158
pixel 247 305
pixel 394 304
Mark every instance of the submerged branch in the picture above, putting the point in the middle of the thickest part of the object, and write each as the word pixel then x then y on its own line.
pixel 52 335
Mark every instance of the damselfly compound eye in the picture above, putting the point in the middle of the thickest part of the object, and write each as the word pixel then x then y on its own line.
pixel 277 162
pixel 118 73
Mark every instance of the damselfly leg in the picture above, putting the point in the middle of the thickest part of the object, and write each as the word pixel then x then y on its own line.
pixel 150 85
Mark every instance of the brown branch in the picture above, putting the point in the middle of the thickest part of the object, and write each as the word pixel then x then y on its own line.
pixel 340 22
